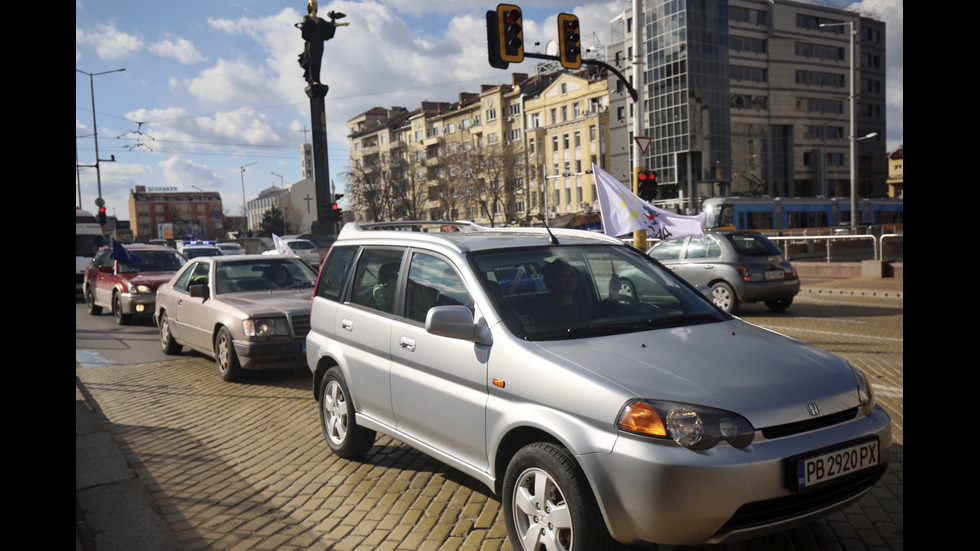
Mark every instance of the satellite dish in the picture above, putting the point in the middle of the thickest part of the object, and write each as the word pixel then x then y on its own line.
pixel 551 48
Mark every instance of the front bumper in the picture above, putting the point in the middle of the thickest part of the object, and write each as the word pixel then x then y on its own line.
pixel 656 491
pixel 271 354
pixel 137 303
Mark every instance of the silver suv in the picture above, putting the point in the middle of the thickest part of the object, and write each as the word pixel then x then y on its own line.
pixel 597 417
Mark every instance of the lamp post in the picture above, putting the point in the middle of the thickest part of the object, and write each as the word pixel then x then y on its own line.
pixel 95 132
pixel 853 130
pixel 282 199
pixel 248 227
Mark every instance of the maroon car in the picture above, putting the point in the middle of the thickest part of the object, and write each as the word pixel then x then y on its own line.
pixel 125 278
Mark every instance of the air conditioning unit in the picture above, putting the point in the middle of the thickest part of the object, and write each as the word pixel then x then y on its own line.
pixel 510 118
pixel 551 215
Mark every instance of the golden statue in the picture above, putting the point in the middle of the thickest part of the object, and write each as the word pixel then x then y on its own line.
pixel 316 31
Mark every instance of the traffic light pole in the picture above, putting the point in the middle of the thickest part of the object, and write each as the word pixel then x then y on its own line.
pixel 321 169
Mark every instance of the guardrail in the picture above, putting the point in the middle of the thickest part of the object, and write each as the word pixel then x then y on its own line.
pixel 810 246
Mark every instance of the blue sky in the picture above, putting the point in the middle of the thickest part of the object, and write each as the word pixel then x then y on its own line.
pixel 211 86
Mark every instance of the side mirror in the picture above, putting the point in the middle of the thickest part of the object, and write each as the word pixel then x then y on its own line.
pixel 456 322
pixel 199 290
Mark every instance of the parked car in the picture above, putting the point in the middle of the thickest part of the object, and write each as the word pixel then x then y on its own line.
pixel 247 312
pixel 128 286
pixel 738 266
pixel 511 355
pixel 303 248
pixel 231 248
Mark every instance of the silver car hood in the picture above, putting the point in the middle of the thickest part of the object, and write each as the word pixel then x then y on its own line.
pixel 768 378
pixel 281 300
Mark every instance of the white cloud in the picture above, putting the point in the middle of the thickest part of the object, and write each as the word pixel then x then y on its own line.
pixel 184 174
pixel 108 42
pixel 231 81
pixel 178 48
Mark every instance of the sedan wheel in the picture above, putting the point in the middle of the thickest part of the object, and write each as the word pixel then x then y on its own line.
pixel 627 289
pixel 121 318
pixel 167 342
pixel 93 310
pixel 338 420
pixel 548 504
pixel 229 368
pixel 724 297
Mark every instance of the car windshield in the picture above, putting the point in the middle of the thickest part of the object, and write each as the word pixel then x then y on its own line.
pixel 753 244
pixel 263 275
pixel 191 252
pixel 152 261
pixel 567 292
pixel 301 245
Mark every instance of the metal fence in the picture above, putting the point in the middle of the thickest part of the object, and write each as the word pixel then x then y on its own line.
pixel 841 248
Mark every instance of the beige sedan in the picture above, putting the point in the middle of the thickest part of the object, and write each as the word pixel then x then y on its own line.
pixel 247 312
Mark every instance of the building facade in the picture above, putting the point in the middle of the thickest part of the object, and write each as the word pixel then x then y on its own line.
pixel 752 97
pixel 896 173
pixel 193 215
pixel 489 157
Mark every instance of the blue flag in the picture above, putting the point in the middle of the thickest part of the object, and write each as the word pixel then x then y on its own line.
pixel 121 254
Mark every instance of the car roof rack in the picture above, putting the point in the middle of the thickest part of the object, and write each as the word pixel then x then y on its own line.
pixel 465 226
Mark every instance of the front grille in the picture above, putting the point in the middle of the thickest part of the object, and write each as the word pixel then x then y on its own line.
pixel 789 429
pixel 299 323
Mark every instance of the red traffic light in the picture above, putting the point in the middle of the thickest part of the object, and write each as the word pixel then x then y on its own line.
pixel 569 41
pixel 647 175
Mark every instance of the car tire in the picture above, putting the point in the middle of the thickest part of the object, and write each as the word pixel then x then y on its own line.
pixel 121 318
pixel 724 297
pixel 627 290
pixel 566 515
pixel 167 342
pixel 338 419
pixel 93 310
pixel 779 304
pixel 229 368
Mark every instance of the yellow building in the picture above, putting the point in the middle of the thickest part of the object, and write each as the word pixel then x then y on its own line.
pixel 487 157
pixel 896 173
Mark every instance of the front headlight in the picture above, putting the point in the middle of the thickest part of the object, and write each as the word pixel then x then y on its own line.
pixel 694 427
pixel 264 327
pixel 140 289
pixel 865 392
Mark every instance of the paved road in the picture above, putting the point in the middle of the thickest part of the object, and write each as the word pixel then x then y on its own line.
pixel 187 461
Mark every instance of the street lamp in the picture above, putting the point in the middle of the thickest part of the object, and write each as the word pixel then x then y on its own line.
pixel 282 199
pixel 853 131
pixel 244 202
pixel 95 132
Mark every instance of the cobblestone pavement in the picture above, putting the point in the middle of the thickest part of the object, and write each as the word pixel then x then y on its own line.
pixel 243 466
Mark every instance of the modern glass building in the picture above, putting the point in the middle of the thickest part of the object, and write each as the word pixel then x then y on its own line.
pixel 750 97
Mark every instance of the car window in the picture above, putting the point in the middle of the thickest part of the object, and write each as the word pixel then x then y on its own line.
pixel 707 248
pixel 668 250
pixel 153 261
pixel 193 274
pixel 376 279
pixel 262 274
pixel 333 275
pixel 102 258
pixel 301 245
pixel 432 281
pixel 568 292
pixel 753 244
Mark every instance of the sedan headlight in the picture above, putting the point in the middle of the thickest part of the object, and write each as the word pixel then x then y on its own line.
pixel 264 327
pixel 694 427
pixel 140 289
pixel 865 392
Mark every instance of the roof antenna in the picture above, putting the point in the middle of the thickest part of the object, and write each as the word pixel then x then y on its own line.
pixel 554 240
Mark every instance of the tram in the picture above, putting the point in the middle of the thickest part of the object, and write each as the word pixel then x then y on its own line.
pixel 778 214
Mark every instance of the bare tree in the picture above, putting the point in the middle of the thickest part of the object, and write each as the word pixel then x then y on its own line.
pixel 367 191
pixel 496 169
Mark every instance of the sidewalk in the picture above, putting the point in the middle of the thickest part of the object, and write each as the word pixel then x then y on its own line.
pixel 881 287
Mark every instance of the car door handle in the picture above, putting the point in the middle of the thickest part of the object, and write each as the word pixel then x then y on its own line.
pixel 346 325
pixel 406 344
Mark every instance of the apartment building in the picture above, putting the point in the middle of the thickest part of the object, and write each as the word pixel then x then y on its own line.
pixel 752 97
pixel 483 157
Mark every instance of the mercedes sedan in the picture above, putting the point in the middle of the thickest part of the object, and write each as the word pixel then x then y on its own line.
pixel 247 312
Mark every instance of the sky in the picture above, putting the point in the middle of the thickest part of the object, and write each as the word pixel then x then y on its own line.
pixel 212 96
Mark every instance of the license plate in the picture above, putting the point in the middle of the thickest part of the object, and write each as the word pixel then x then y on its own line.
pixel 827 466
pixel 775 274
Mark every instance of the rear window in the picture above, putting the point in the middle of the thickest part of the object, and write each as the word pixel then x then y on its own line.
pixel 753 244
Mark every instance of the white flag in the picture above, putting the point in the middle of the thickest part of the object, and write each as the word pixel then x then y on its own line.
pixel 281 245
pixel 623 212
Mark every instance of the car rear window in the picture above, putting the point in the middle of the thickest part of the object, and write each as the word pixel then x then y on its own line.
pixel 753 244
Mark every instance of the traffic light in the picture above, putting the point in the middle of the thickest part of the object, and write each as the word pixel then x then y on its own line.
pixel 569 41
pixel 101 216
pixel 510 32
pixel 646 183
